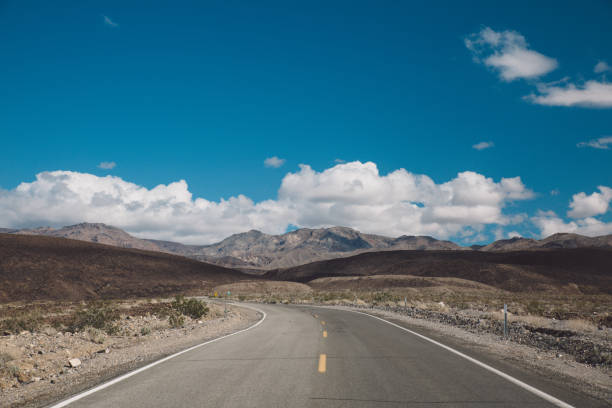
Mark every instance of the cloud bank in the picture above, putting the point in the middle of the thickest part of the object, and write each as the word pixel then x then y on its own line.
pixel 352 194
pixel 583 209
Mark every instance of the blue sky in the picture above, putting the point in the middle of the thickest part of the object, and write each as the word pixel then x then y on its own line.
pixel 206 91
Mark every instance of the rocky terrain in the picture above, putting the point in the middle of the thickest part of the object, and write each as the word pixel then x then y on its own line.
pixel 40 267
pixel 572 271
pixel 254 251
pixel 46 364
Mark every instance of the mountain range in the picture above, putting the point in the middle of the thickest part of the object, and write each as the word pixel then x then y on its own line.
pixel 256 251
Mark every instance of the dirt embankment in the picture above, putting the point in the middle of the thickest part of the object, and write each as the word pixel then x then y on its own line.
pixel 47 365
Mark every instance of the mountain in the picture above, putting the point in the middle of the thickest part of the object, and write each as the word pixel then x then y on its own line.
pixel 255 251
pixel 582 270
pixel 99 233
pixel 40 267
pixel 561 240
pixel 258 250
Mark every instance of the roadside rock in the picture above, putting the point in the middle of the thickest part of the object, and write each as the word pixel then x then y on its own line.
pixel 74 362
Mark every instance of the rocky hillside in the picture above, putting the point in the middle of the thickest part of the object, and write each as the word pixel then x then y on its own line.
pixel 258 250
pixel 554 241
pixel 255 251
pixel 576 271
pixel 99 233
pixel 39 267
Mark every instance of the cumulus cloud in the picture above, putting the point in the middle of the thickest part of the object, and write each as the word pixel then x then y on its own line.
pixel 583 209
pixel 583 205
pixel 109 22
pixel 107 165
pixel 274 161
pixel 483 145
pixel 591 94
pixel 509 54
pixel 549 223
pixel 601 143
pixel 601 66
pixel 353 194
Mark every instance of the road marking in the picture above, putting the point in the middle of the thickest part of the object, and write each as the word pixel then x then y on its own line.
pixel 322 363
pixel 513 380
pixel 516 381
pixel 153 364
pixel 325 334
pixel 323 323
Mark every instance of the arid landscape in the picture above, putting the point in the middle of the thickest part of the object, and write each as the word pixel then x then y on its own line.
pixel 559 298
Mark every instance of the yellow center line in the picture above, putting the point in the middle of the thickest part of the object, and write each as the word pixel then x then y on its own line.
pixel 324 333
pixel 322 363
pixel 323 323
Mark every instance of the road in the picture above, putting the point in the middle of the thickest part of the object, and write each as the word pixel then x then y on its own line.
pixel 315 357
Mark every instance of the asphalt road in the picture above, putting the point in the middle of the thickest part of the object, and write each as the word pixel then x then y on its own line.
pixel 314 357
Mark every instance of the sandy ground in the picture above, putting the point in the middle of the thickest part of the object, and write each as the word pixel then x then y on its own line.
pixel 43 359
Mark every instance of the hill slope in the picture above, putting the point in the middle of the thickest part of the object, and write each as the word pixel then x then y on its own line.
pixel 39 267
pixel 587 268
pixel 254 250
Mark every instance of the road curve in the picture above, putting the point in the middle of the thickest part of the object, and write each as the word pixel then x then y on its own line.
pixel 315 357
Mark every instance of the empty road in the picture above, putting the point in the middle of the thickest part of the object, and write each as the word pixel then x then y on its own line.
pixel 315 357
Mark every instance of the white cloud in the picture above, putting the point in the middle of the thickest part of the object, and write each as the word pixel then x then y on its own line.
pixel 514 234
pixel 274 162
pixel 483 145
pixel 107 165
pixel 592 94
pixel 601 143
pixel 555 192
pixel 583 208
pixel 601 66
pixel 583 205
pixel 509 54
pixel 109 22
pixel 352 194
pixel 549 223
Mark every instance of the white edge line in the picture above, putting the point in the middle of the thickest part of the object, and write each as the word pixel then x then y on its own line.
pixel 153 364
pixel 513 380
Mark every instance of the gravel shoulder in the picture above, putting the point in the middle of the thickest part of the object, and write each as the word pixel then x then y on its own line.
pixel 43 359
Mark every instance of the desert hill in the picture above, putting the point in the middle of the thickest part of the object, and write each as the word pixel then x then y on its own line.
pixel 587 270
pixel 40 267
pixel 255 251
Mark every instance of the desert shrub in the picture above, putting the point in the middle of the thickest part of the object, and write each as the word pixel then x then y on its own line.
pixel 30 321
pixel 534 307
pixel 190 307
pixel 176 320
pixel 6 369
pixel 242 298
pixel 145 331
pixel 96 335
pixel 97 315
pixel 381 297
